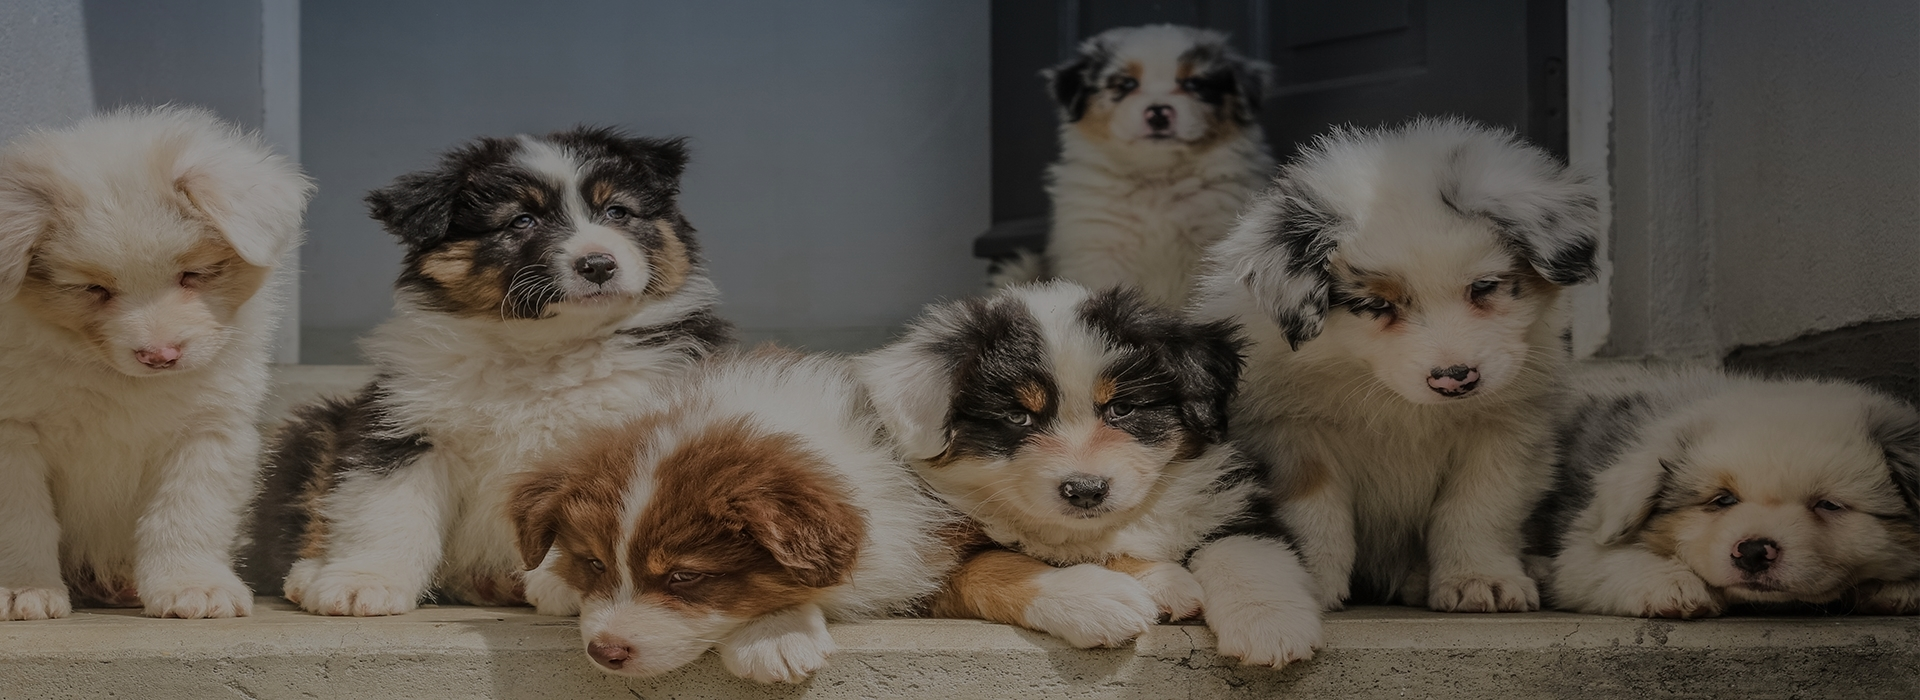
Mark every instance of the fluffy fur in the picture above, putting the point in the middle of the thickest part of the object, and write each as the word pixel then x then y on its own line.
pixel 1085 435
pixel 549 284
pixel 1160 148
pixel 1402 291
pixel 757 503
pixel 1683 493
pixel 135 326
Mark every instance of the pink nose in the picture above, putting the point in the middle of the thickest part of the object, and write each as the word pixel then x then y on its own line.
pixel 158 356
pixel 610 655
pixel 1458 380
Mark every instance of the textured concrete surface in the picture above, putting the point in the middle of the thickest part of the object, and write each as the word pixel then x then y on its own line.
pixel 459 652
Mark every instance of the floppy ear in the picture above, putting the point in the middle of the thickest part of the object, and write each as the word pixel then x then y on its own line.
pixel 1069 86
pixel 812 531
pixel 417 207
pixel 1251 79
pixel 27 207
pixel 1896 427
pixel 1278 252
pixel 667 158
pixel 1545 213
pixel 1625 494
pixel 1210 362
pixel 535 511
pixel 251 194
pixel 911 385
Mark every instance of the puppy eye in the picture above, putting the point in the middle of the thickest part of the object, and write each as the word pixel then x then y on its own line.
pixel 599 567
pixel 1726 500
pixel 99 293
pixel 1372 305
pixel 191 278
pixel 1483 288
pixel 1829 506
pixel 681 578
pixel 618 213
pixel 1119 410
pixel 1124 85
pixel 1019 419
pixel 523 221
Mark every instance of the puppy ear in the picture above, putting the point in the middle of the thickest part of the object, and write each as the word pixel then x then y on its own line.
pixel 1210 362
pixel 1896 427
pixel 1278 252
pixel 812 531
pixel 29 198
pixel 1251 79
pixel 534 509
pixel 255 197
pixel 1625 494
pixel 418 207
pixel 666 157
pixel 1545 213
pixel 911 385
pixel 1069 85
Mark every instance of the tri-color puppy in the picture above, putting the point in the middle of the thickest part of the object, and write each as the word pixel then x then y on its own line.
pixel 1086 435
pixel 1160 147
pixel 1682 493
pixel 758 502
pixel 1402 288
pixel 549 284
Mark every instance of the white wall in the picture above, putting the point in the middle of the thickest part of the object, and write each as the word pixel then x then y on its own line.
pixel 43 65
pixel 839 147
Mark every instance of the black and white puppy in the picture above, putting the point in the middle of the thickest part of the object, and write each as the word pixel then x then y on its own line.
pixel 1085 435
pixel 550 284
pixel 1682 493
pixel 1402 288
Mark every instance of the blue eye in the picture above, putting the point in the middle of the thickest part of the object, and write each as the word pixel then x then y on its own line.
pixel 1829 506
pixel 1019 419
pixel 523 221
pixel 1726 500
pixel 1483 287
pixel 617 212
pixel 1119 410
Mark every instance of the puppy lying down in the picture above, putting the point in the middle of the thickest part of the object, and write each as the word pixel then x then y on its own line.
pixel 758 502
pixel 1085 434
pixel 1682 493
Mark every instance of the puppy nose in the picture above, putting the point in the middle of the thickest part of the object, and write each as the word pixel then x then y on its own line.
pixel 1458 380
pixel 610 655
pixel 1084 490
pixel 1159 117
pixel 596 268
pixel 158 356
pixel 1755 555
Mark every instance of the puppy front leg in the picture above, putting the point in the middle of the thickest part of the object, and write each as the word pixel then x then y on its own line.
pixel 1473 538
pixel 184 564
pixel 30 585
pixel 547 592
pixel 1172 586
pixel 1087 605
pixel 1628 580
pixel 1322 523
pixel 1259 600
pixel 1888 598
pixel 785 646
pixel 385 537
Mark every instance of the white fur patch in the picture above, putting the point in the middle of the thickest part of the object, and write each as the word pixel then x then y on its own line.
pixel 1259 601
pixel 1091 606
pixel 782 647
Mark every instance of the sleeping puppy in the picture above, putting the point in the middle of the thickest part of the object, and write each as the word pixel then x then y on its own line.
pixel 1085 435
pixel 759 501
pixel 1402 288
pixel 1683 493
pixel 136 321
pixel 549 284
pixel 1160 147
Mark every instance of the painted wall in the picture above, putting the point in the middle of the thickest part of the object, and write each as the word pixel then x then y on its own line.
pixel 1767 171
pixel 43 65
pixel 840 147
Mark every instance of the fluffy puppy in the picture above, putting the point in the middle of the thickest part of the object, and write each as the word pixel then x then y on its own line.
pixel 1681 493
pixel 758 502
pixel 136 319
pixel 1084 433
pixel 1402 291
pixel 549 284
pixel 1159 148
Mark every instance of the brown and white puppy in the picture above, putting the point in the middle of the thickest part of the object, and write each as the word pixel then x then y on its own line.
pixel 550 283
pixel 1085 434
pixel 757 503
pixel 136 321
pixel 1402 288
pixel 1682 493
pixel 1160 147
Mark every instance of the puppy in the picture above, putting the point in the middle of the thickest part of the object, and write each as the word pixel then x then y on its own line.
pixel 1085 434
pixel 136 320
pixel 1682 493
pixel 1160 147
pixel 1402 288
pixel 757 503
pixel 549 284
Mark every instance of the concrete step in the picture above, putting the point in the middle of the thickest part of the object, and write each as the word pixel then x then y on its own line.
pixel 466 652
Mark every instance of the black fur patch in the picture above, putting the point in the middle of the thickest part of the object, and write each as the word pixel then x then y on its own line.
pixel 1072 84
pixel 1896 428
pixel 996 351
pixel 1191 369
pixel 698 334
pixel 1301 236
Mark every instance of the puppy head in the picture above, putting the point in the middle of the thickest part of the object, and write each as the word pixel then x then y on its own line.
pixel 579 223
pixel 1433 252
pixel 1776 492
pixel 676 534
pixel 1169 86
pixel 1052 408
pixel 141 234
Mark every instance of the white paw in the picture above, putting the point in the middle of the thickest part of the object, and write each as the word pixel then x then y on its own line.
pixel 1680 594
pixel 299 577
pixel 1173 588
pixel 784 647
pixel 1273 635
pixel 357 594
pixel 215 595
pixel 1091 606
pixel 1889 598
pixel 34 603
pixel 550 595
pixel 1483 594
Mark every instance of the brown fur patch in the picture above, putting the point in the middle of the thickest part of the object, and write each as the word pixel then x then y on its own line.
pixel 1103 390
pixel 670 261
pixel 478 292
pixel 996 585
pixel 1130 565
pixel 1307 478
pixel 1032 396
pixel 1661 534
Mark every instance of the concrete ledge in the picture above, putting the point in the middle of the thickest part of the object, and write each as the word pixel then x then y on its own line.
pixel 463 652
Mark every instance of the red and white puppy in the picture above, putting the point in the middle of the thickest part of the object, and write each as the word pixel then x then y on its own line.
pixel 757 503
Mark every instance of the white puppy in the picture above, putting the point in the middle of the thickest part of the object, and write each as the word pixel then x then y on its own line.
pixel 1682 493
pixel 1402 291
pixel 135 324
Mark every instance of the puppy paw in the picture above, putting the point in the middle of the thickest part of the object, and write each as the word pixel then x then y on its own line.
pixel 299 577
pixel 1482 594
pixel 784 647
pixel 550 595
pixel 357 594
pixel 34 603
pixel 1091 606
pixel 1173 588
pixel 1889 598
pixel 1269 636
pixel 193 599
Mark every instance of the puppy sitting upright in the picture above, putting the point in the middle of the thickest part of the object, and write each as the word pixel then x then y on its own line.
pixel 1402 290
pixel 1086 434
pixel 1682 493
pixel 549 284
pixel 135 325
pixel 1159 150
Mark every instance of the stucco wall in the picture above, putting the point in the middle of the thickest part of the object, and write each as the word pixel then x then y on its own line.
pixel 43 65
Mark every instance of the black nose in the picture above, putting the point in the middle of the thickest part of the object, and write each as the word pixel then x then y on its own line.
pixel 1083 490
pixel 596 268
pixel 1754 556
pixel 1458 380
pixel 1159 117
